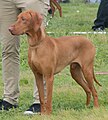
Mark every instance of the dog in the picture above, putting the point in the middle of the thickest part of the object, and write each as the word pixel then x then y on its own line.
pixel 47 56
pixel 53 4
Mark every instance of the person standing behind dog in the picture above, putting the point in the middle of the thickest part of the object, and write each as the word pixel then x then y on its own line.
pixel 9 10
pixel 101 21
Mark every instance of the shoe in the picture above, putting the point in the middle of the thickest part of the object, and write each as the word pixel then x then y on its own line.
pixel 33 109
pixel 50 11
pixel 98 29
pixel 4 105
pixel 65 1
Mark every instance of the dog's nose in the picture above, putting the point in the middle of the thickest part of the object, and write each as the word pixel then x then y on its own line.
pixel 11 28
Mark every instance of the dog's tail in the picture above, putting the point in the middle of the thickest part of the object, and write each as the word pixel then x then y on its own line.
pixel 96 80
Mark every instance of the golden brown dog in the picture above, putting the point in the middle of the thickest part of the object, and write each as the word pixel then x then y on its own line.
pixel 53 4
pixel 47 56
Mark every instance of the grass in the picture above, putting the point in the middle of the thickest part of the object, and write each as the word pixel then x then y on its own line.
pixel 68 97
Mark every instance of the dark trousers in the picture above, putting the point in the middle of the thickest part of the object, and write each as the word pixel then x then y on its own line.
pixel 102 15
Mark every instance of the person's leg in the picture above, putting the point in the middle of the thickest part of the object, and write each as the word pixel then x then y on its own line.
pixel 40 6
pixel 10 54
pixel 106 14
pixel 102 15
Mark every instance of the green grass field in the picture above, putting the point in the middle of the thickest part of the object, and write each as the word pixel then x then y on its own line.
pixel 68 97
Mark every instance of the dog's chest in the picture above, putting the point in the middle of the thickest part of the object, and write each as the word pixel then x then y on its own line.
pixel 33 56
pixel 35 62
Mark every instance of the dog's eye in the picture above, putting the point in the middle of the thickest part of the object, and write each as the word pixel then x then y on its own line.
pixel 23 19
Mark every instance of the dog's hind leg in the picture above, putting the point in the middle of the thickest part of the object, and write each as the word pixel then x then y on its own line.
pixel 77 75
pixel 88 74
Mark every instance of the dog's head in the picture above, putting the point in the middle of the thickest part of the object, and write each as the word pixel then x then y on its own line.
pixel 27 21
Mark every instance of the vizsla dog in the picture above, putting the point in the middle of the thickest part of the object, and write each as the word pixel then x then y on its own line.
pixel 47 56
pixel 53 4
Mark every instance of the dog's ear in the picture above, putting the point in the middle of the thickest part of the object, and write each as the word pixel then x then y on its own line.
pixel 36 20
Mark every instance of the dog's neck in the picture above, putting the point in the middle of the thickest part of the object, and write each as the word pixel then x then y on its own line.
pixel 35 38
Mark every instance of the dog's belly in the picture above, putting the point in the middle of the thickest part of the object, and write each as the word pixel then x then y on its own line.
pixel 59 69
pixel 61 66
pixel 63 63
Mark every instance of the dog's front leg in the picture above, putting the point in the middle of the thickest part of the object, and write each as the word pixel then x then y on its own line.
pixel 49 88
pixel 40 86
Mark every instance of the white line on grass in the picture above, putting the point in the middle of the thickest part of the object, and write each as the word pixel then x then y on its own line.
pixel 103 32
